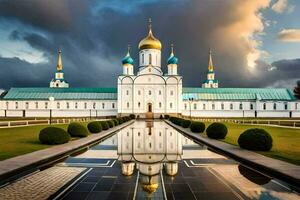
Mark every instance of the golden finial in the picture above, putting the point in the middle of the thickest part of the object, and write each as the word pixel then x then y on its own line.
pixel 172 49
pixel 59 61
pixel 128 49
pixel 210 63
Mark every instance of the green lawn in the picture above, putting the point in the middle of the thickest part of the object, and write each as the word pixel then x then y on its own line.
pixel 286 141
pixel 21 140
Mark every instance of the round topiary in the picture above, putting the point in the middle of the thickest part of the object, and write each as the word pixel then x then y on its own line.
pixel 94 127
pixel 255 139
pixel 197 127
pixel 132 116
pixel 77 130
pixel 104 125
pixel 120 120
pixel 186 123
pixel 216 131
pixel 116 122
pixel 54 135
pixel 111 123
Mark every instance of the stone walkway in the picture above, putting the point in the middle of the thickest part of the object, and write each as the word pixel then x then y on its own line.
pixel 282 170
pixel 40 185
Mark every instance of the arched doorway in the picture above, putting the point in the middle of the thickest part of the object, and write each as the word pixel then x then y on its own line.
pixel 149 113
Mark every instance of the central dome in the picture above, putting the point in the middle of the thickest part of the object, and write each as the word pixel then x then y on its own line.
pixel 150 42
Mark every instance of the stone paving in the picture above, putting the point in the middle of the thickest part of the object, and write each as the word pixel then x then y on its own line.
pixel 40 185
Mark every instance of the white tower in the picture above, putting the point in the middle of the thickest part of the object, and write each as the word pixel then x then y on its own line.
pixel 172 63
pixel 210 82
pixel 59 81
pixel 128 63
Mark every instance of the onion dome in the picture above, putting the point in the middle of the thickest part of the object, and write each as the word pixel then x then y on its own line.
pixel 150 42
pixel 127 59
pixel 172 59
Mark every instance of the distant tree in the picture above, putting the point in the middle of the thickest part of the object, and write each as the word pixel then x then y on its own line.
pixel 297 90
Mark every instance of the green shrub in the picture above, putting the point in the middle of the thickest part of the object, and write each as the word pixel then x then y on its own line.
pixel 197 127
pixel 116 122
pixel 94 127
pixel 132 116
pixel 126 118
pixel 216 131
pixel 167 116
pixel 54 135
pixel 111 123
pixel 176 120
pixel 77 130
pixel 104 125
pixel 186 123
pixel 256 139
pixel 120 120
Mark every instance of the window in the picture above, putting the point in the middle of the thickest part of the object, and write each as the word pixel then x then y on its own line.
pixel 139 133
pixel 143 58
pixel 274 106
pixel 171 105
pixel 231 106
pixel 127 92
pixel 285 106
pixel 127 104
pixel 58 105
pixel 170 133
pixel 17 105
pixel 127 134
pixel 159 92
pixel 68 105
pixel 94 105
pixel 195 106
pixel 241 106
pixel 36 105
pixel 171 92
pixel 76 105
pixel 204 106
pixel 27 105
pixel 159 104
pixel 159 134
pixel 85 105
pixel 251 106
pixel 297 106
pixel 150 146
pixel 139 145
pixel 149 92
pixel 103 105
pixel 222 106
pixel 139 104
pixel 185 106
pixel 150 59
pixel 113 105
pixel 46 105
pixel 264 106
pixel 139 92
pixel 213 106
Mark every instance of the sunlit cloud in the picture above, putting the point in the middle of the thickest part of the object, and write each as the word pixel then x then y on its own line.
pixel 281 6
pixel 289 35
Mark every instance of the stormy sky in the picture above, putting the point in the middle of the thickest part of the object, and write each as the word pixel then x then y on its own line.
pixel 255 43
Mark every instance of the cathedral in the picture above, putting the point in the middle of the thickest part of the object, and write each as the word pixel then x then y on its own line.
pixel 148 93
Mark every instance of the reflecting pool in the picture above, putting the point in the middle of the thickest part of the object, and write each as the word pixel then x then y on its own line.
pixel 151 160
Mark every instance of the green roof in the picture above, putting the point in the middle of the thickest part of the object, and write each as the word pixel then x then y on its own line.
pixel 40 93
pixel 237 94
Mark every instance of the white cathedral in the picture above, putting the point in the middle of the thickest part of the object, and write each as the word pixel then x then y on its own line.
pixel 148 93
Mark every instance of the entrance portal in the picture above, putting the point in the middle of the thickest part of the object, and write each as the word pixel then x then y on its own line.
pixel 149 107
pixel 149 113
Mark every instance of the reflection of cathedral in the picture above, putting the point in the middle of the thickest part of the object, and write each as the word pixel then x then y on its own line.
pixel 149 92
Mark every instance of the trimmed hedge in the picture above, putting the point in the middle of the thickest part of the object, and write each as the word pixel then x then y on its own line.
pixel 186 123
pixel 176 120
pixel 167 116
pixel 120 120
pixel 116 122
pixel 94 127
pixel 77 130
pixel 216 131
pixel 256 139
pixel 54 135
pixel 197 127
pixel 111 123
pixel 104 125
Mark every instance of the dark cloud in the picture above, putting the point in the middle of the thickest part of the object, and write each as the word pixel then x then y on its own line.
pixel 94 36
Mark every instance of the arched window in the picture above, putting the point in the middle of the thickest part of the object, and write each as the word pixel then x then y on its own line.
pixel 17 106
pixel 171 105
pixel 139 104
pixel 251 106
pixel 274 106
pixel 195 106
pixel 159 92
pixel 143 59
pixel 150 59
pixel 127 92
pixel 231 106
pixel 159 104
pixel 27 105
pixel 113 105
pixel 85 105
pixel 222 106
pixel 58 105
pixel 68 105
pixel 241 106
pixel 127 104
pixel 103 105
pixel 76 105
pixel 264 106
pixel 204 106
pixel 213 106
pixel 171 92
pixel 94 105
pixel 36 105
pixel 149 92
pixel 46 105
pixel 285 106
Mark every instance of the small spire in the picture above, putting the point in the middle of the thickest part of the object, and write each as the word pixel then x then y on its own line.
pixel 150 27
pixel 59 61
pixel 128 50
pixel 210 63
pixel 172 50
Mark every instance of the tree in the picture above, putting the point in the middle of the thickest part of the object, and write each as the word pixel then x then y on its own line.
pixel 297 90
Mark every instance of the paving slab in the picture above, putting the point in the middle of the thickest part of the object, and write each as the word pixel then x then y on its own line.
pixel 19 164
pixel 282 170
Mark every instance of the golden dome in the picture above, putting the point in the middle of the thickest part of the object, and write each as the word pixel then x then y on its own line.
pixel 150 42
